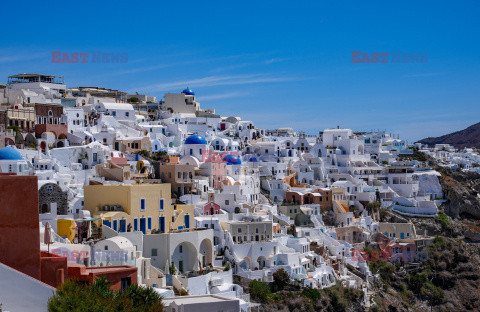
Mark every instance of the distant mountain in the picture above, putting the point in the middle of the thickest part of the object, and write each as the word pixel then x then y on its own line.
pixel 469 137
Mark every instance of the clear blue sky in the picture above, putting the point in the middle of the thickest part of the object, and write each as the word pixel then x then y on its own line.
pixel 278 63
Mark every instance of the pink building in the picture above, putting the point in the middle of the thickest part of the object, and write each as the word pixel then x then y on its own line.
pixel 211 208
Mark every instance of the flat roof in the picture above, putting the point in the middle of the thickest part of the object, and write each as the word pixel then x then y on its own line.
pixel 196 299
pixel 24 75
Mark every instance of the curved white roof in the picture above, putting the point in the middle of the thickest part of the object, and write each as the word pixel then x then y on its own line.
pixel 120 241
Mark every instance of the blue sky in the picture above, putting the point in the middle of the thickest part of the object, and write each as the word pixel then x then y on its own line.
pixel 277 63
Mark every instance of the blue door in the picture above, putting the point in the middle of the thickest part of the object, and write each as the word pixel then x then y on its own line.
pixel 402 236
pixel 143 225
pixel 107 223
pixel 115 225
pixel 161 222
pixel 187 221
pixel 123 225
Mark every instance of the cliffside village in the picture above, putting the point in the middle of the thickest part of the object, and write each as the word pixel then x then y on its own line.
pixel 164 193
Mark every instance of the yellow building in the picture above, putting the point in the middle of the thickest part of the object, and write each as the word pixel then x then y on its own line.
pixel 66 227
pixel 340 202
pixel 138 207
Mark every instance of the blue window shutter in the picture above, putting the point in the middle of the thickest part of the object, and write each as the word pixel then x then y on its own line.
pixel 135 224
pixel 187 221
pixel 142 204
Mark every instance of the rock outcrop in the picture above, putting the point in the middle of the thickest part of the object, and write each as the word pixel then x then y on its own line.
pixel 461 190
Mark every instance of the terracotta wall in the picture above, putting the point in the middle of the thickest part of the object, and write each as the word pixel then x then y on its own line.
pixel 57 129
pixel 19 224
pixel 113 274
pixel 53 269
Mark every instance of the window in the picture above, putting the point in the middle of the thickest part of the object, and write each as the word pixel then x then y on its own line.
pixel 135 224
pixel 127 114
pixel 126 281
pixel 239 230
pixel 162 204
pixel 142 204
pixel 115 225
pixel 149 223
pixel 154 252
pixel 227 202
pixel 180 249
pixel 114 113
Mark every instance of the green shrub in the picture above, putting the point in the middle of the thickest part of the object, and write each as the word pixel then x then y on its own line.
pixel 260 291
pixel 312 294
pixel 98 297
pixel 433 293
pixel 281 278
pixel 277 297
pixel 442 219
pixel 384 268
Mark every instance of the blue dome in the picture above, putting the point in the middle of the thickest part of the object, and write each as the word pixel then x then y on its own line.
pixel 253 159
pixel 188 91
pixel 195 139
pixel 9 153
pixel 232 160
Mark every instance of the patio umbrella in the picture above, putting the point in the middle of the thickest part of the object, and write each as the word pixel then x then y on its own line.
pixel 47 238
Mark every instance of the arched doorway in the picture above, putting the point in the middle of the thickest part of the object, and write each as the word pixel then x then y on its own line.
pixel 184 257
pixel 44 209
pixel 206 253
pixel 261 262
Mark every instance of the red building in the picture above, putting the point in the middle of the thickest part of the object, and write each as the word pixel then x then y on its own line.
pixel 48 118
pixel 119 277
pixel 211 208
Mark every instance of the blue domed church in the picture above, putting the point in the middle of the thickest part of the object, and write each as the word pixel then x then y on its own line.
pixel 194 146
pixel 12 161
